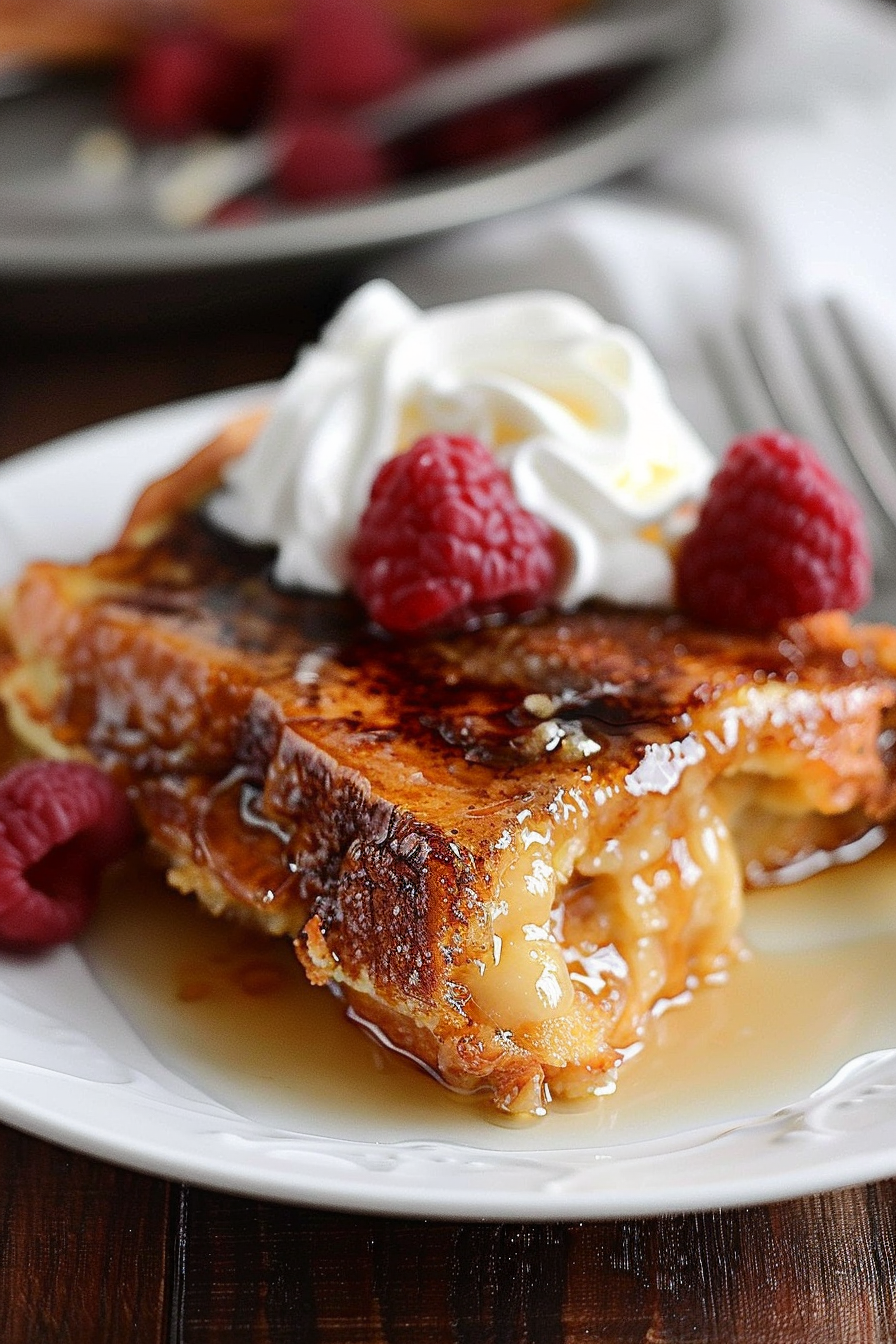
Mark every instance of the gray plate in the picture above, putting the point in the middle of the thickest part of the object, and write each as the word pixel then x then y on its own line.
pixel 43 244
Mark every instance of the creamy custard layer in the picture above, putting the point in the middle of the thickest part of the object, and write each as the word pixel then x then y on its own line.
pixel 601 910
pixel 625 916
pixel 587 932
pixel 506 850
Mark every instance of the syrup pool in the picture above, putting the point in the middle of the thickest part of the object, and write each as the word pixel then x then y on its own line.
pixel 233 1014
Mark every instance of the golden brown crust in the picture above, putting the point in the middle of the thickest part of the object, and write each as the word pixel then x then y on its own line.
pixel 187 486
pixel 473 1062
pixel 383 802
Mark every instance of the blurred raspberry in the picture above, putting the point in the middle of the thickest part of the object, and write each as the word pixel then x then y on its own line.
pixel 60 825
pixel 778 537
pixel 341 53
pixel 326 157
pixel 184 81
pixel 444 540
pixel 242 212
pixel 505 127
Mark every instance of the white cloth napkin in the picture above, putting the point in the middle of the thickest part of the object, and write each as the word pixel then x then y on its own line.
pixel 787 186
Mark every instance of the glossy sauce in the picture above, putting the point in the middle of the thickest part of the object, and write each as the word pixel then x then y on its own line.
pixel 232 1013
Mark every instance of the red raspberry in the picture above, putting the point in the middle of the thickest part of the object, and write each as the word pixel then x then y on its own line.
pixel 778 536
pixel 187 80
pixel 60 825
pixel 444 540
pixel 341 53
pixel 325 157
pixel 242 212
pixel 505 127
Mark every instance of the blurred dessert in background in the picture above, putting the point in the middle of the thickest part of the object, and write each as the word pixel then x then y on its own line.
pixel 61 31
pixel 295 76
pixel 84 30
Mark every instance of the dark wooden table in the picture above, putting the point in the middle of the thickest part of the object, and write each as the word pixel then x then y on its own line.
pixel 92 1254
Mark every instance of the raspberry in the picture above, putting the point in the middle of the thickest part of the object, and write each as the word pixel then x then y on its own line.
pixel 778 537
pixel 502 128
pixel 444 540
pixel 60 824
pixel 325 157
pixel 341 53
pixel 187 80
pixel 242 212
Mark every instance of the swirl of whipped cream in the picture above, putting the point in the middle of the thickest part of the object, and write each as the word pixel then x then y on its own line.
pixel 574 408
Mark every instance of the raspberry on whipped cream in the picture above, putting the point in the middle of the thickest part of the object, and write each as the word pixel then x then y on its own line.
pixel 574 409
pixel 444 539
pixel 778 536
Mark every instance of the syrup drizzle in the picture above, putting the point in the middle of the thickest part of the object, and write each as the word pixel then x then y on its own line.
pixel 232 1013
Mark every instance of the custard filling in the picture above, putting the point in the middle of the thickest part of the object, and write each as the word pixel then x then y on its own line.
pixel 644 915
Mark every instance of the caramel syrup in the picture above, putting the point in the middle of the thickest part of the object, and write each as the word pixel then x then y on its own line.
pixel 232 1013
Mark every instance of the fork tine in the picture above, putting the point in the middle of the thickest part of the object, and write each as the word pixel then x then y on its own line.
pixel 772 369
pixel 801 359
pixel 774 344
pixel 741 386
pixel 852 398
pixel 873 360
pixel 763 377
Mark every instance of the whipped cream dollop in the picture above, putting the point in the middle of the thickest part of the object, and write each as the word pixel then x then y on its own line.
pixel 573 407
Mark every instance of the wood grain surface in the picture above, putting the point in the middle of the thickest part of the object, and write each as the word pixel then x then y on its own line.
pixel 93 1254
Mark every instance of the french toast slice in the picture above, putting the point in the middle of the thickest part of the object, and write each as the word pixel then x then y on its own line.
pixel 505 849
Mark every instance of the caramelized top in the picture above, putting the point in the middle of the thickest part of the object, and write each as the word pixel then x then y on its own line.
pixel 388 784
pixel 452 727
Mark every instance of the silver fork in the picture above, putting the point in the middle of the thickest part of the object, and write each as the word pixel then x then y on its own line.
pixel 809 368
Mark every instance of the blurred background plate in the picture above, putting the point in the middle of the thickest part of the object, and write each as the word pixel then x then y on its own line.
pixel 71 272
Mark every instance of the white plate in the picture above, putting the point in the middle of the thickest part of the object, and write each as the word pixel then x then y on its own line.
pixel 48 228
pixel 779 1083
